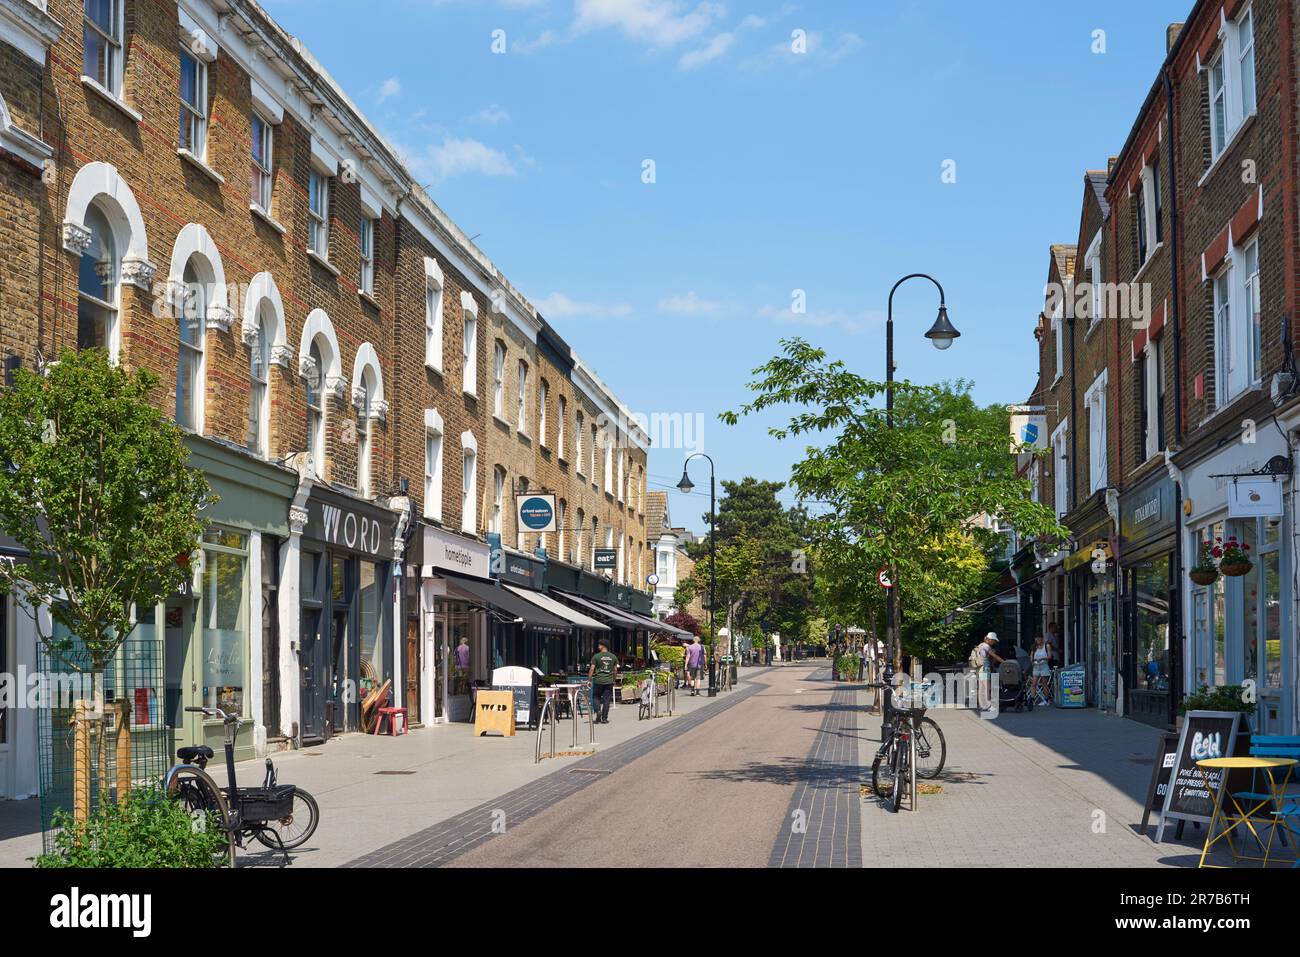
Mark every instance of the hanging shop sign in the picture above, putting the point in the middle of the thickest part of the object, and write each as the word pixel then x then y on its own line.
pixel 1094 553
pixel 536 513
pixel 446 551
pixel 522 570
pixel 1255 497
pixel 1028 428
pixel 606 558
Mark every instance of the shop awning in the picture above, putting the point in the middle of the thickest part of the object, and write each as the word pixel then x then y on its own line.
pixel 508 603
pixel 654 625
pixel 559 609
pixel 617 616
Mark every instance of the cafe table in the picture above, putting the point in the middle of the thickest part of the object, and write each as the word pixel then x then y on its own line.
pixel 1260 812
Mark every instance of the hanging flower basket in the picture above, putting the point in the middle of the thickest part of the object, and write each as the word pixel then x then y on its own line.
pixel 1206 569
pixel 1204 576
pixel 1234 557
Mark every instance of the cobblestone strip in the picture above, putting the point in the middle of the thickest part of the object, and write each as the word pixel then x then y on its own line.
pixel 446 840
pixel 822 826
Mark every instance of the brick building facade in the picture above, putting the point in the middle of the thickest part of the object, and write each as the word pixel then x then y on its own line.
pixel 184 186
pixel 1189 381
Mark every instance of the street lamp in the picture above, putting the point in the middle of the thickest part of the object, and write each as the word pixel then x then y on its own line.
pixel 941 334
pixel 686 486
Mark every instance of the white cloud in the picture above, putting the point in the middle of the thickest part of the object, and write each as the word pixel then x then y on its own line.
pixel 545 39
pixel 717 47
pixel 819 50
pixel 455 156
pixel 691 305
pixel 390 88
pixel 658 23
pixel 493 114
pixel 848 322
pixel 559 306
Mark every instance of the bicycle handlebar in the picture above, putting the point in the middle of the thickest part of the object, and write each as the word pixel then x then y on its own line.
pixel 231 718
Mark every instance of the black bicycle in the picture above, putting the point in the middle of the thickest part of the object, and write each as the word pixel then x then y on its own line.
pixel 911 746
pixel 278 816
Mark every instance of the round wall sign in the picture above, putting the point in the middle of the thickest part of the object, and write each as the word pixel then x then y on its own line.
pixel 652 579
pixel 536 513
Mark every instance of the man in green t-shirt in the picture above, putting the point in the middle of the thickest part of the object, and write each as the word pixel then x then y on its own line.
pixel 604 667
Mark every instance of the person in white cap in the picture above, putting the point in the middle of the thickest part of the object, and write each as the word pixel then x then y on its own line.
pixel 985 651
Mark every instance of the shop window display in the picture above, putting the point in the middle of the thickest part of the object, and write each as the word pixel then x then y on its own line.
pixel 225 619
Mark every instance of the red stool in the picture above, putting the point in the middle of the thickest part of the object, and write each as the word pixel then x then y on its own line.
pixel 391 714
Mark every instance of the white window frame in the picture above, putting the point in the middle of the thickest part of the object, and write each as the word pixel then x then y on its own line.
pixel 621 484
pixel 562 412
pixel 542 390
pixel 1231 81
pixel 316 413
pixel 194 310
pixel 1058 329
pixel 434 444
pixel 364 445
pixel 496 517
pixel 259 406
pixel 1150 209
pixel 263 173
pixel 1061 467
pixel 1236 289
pixel 318 219
pixel 469 343
pixel 561 510
pixel 111 78
pixel 499 382
pixel 1152 383
pixel 366 248
pixel 578 428
pixel 469 483
pixel 433 299
pixel 521 405
pixel 194 116
pixel 1094 401
pixel 1092 262
pixel 609 467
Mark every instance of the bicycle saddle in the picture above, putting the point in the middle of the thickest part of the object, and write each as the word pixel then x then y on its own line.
pixel 199 751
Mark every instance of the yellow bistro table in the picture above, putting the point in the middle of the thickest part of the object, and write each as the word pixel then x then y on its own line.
pixel 1243 815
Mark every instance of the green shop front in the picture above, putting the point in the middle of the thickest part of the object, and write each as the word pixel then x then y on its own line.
pixel 220 634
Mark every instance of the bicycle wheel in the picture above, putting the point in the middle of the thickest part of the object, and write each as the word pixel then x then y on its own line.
pixel 201 797
pixel 900 778
pixel 882 778
pixel 295 829
pixel 931 749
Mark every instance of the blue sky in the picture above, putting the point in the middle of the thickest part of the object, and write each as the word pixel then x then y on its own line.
pixel 775 171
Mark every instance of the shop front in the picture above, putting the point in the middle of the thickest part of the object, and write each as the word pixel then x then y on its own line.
pixel 218 629
pixel 1241 623
pixel 454 631
pixel 346 649
pixel 1149 666
pixel 1092 580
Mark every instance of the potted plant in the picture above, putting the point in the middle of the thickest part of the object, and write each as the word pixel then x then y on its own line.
pixel 1220 698
pixel 1234 557
pixel 1206 569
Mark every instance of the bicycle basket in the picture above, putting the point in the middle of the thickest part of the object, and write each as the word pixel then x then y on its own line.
pixel 266 804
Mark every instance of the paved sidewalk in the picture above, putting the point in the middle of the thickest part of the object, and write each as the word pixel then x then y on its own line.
pixel 376 790
pixel 1047 788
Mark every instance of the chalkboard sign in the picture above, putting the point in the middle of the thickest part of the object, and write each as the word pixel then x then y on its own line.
pixel 522 684
pixel 1192 790
pixel 1166 755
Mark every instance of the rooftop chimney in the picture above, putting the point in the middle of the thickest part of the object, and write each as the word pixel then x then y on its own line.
pixel 1171 35
pixel 1110 166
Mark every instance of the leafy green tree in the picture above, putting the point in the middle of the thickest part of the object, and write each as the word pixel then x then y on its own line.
pixel 901 499
pixel 99 491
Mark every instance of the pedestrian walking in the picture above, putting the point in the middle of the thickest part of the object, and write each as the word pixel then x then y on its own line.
pixel 694 662
pixel 980 660
pixel 862 660
pixel 604 668
pixel 1042 673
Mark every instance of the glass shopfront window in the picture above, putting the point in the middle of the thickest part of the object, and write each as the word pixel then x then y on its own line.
pixel 370 625
pixel 1151 624
pixel 270 635
pixel 225 619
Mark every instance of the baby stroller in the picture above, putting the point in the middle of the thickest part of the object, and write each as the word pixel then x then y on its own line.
pixel 1013 687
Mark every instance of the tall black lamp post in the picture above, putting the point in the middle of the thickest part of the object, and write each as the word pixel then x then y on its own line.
pixel 686 486
pixel 941 334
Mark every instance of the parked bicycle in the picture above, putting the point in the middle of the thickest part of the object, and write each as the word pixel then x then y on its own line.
pixel 911 746
pixel 278 816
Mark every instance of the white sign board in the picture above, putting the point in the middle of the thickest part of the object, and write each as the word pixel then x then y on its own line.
pixel 1255 498
pixel 1028 431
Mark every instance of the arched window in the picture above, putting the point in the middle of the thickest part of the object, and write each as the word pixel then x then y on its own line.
pixel 189 363
pixel 259 377
pixel 469 482
pixel 499 382
pixel 577 434
pixel 97 286
pixel 578 528
pixel 314 380
pixel 433 431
